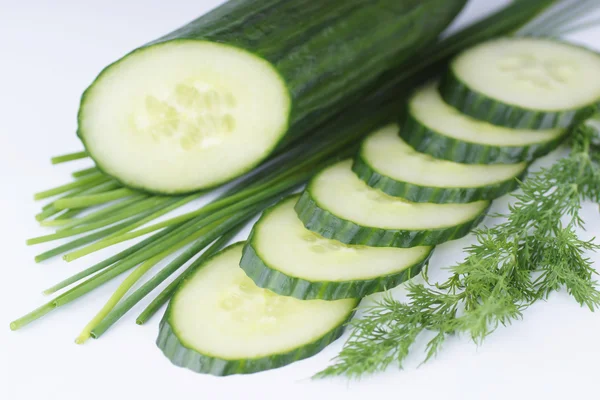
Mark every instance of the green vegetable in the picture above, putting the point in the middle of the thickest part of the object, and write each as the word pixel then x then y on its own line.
pixel 338 205
pixel 240 328
pixel 527 83
pixel 211 100
pixel 321 268
pixel 372 111
pixel 387 163
pixel 433 127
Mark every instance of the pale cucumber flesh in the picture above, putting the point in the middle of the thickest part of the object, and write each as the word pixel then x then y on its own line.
pixel 183 115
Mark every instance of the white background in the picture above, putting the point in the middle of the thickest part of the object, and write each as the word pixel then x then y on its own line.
pixel 49 52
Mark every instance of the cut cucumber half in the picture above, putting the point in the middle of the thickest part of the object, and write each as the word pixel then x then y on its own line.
pixel 219 322
pixel 529 83
pixel 210 101
pixel 387 163
pixel 338 205
pixel 283 256
pixel 431 126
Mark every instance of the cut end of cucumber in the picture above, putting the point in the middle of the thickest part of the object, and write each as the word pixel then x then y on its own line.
pixel 220 313
pixel 183 115
pixel 546 74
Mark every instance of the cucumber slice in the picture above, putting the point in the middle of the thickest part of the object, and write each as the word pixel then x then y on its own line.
pixel 339 205
pixel 530 83
pixel 219 322
pixel 387 163
pixel 433 127
pixel 308 266
pixel 136 121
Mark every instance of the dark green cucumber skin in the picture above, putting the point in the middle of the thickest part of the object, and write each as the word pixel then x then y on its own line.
pixel 329 54
pixel 428 141
pixel 185 357
pixel 331 226
pixel 425 194
pixel 477 105
pixel 267 277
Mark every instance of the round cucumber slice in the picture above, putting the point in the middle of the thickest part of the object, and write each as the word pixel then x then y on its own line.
pixel 183 115
pixel 387 163
pixel 433 127
pixel 283 256
pixel 339 205
pixel 219 322
pixel 530 83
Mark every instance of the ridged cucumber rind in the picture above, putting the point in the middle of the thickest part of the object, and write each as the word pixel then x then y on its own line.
pixel 330 226
pixel 268 277
pixel 427 194
pixel 185 357
pixel 429 141
pixel 482 107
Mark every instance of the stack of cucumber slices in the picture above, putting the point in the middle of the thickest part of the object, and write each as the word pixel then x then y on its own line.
pixel 366 225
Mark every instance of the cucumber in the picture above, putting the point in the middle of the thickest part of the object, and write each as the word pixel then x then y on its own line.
pixel 387 163
pixel 308 266
pixel 524 82
pixel 211 100
pixel 338 205
pixel 431 126
pixel 219 322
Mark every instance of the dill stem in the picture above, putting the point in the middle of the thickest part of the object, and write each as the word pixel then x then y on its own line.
pixel 69 157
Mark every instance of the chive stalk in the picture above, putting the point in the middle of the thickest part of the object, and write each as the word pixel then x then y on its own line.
pixel 123 255
pixel 89 238
pixel 141 206
pixel 69 157
pixel 105 212
pixel 50 210
pixel 84 172
pixel 95 178
pixel 94 199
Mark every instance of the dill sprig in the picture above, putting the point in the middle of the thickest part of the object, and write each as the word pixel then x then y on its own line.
pixel 535 252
